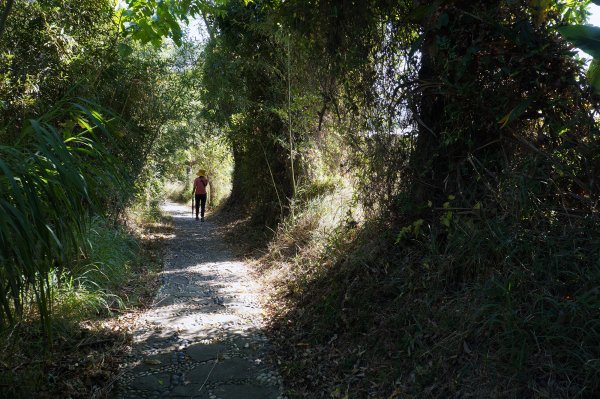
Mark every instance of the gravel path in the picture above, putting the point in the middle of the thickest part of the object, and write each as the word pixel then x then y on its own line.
pixel 202 338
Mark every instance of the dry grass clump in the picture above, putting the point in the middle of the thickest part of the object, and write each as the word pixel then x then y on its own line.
pixel 304 239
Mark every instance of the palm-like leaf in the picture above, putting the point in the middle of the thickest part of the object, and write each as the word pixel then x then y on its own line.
pixel 587 38
pixel 48 188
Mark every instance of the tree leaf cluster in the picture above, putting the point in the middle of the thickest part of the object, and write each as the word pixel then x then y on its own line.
pixel 470 130
pixel 79 122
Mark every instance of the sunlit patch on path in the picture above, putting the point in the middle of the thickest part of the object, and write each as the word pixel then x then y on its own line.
pixel 202 337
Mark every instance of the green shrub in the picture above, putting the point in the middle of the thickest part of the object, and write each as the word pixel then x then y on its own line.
pixel 91 287
pixel 50 183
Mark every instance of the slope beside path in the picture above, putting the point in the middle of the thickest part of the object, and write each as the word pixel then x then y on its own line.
pixel 202 337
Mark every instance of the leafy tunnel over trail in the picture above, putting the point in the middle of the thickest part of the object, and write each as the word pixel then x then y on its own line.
pixel 422 175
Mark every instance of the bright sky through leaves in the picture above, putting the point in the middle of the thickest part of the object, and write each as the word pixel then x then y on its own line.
pixel 595 17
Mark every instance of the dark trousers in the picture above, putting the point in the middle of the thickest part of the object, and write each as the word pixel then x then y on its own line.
pixel 200 203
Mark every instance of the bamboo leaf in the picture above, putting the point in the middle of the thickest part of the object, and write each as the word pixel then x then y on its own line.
pixel 585 37
pixel 514 113
pixel 593 74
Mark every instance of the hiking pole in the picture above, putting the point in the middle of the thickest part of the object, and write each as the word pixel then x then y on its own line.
pixel 192 206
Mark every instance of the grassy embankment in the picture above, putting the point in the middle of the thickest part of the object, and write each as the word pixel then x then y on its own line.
pixel 488 307
pixel 93 313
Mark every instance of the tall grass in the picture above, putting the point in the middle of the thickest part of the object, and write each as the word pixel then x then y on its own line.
pixel 51 181
pixel 88 288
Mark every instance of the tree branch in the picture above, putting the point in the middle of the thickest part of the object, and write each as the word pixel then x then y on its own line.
pixel 209 27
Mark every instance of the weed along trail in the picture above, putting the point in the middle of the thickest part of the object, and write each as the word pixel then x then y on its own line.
pixel 202 337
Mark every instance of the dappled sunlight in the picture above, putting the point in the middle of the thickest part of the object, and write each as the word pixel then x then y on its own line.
pixel 203 334
pixel 412 186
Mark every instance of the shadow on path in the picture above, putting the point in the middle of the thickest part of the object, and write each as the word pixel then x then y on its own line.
pixel 202 337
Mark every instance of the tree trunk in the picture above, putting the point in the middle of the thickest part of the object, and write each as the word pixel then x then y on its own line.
pixel 7 7
pixel 427 166
pixel 210 28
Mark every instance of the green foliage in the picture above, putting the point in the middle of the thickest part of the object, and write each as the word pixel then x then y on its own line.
pixel 89 287
pixel 585 37
pixel 47 48
pixel 472 140
pixel 532 306
pixel 245 89
pixel 79 121
pixel 153 20
pixel 50 184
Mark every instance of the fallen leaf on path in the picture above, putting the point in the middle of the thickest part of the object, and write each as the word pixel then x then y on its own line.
pixel 466 348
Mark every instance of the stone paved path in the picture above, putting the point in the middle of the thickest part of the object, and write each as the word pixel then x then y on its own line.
pixel 202 338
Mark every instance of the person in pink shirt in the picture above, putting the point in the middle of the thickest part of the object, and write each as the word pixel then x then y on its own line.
pixel 199 191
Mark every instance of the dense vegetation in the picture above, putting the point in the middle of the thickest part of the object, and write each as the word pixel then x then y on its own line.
pixel 85 115
pixel 466 260
pixel 429 169
pixel 78 123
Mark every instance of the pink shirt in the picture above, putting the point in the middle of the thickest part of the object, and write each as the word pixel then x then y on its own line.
pixel 200 184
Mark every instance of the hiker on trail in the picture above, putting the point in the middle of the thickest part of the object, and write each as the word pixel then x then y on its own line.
pixel 199 190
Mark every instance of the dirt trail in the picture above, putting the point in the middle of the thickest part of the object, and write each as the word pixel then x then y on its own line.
pixel 202 337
